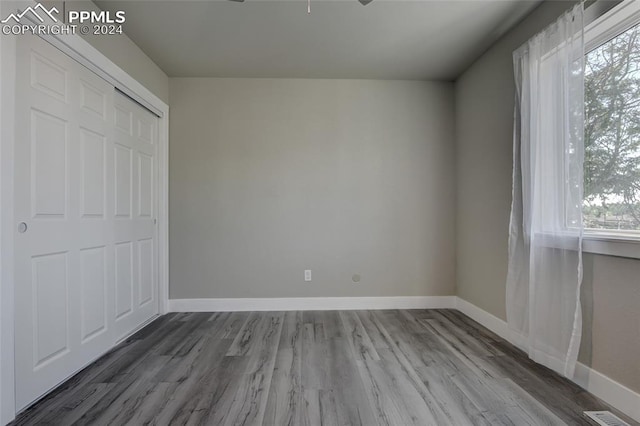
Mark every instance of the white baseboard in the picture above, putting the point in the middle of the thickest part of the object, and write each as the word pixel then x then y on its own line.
pixel 311 303
pixel 610 391
pixel 483 317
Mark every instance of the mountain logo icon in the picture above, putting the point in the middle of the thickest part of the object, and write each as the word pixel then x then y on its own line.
pixel 38 11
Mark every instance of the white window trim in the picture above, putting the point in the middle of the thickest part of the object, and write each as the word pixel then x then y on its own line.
pixel 604 243
pixel 611 243
pixel 616 20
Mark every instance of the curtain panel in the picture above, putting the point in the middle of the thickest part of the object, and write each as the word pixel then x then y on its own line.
pixel 545 234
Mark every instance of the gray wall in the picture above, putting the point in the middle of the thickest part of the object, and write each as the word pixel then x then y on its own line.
pixel 269 177
pixel 484 124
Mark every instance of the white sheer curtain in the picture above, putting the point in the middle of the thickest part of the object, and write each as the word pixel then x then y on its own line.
pixel 545 239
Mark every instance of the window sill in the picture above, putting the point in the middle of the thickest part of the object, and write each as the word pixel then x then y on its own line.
pixel 611 245
pixel 595 242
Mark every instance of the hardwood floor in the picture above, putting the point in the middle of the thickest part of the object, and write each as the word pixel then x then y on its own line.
pixel 401 367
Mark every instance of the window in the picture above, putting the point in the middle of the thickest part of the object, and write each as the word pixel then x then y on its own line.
pixel 612 135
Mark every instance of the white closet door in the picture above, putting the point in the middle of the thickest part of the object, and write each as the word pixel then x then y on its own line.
pixel 84 208
pixel 135 179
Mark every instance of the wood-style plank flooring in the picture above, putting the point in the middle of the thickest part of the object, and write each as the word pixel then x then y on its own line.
pixel 395 367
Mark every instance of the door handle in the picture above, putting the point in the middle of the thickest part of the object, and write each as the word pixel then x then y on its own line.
pixel 22 227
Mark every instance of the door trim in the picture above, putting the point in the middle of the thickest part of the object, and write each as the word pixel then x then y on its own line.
pixel 87 55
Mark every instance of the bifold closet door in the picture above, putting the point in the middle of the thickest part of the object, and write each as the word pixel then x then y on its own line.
pixel 76 239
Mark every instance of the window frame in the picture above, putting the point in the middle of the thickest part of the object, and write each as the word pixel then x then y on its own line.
pixel 602 27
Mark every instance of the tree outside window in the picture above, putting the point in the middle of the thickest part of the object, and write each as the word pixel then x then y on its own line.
pixel 612 134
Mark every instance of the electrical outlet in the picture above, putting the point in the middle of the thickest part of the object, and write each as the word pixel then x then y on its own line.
pixel 307 274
